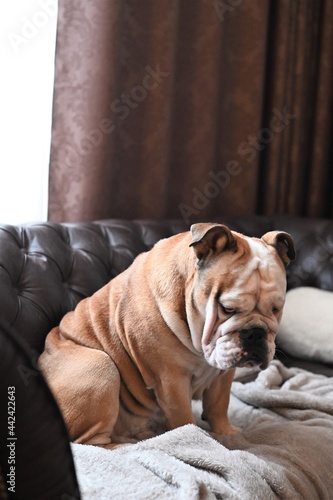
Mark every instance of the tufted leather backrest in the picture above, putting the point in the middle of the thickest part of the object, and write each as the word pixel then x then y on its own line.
pixel 46 269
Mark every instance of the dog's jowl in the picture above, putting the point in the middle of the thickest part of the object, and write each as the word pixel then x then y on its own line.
pixel 127 362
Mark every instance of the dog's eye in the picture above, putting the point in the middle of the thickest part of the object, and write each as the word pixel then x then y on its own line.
pixel 275 310
pixel 228 310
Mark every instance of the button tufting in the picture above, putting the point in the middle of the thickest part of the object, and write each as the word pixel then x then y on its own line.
pixel 45 269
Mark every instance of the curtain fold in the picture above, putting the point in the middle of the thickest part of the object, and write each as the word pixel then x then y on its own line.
pixel 296 167
pixel 191 108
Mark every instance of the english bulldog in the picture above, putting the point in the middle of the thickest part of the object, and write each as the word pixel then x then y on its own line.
pixel 127 362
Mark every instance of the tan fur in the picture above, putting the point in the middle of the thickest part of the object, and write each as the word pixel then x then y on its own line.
pixel 127 362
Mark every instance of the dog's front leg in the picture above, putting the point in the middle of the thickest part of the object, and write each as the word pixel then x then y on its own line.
pixel 215 404
pixel 174 397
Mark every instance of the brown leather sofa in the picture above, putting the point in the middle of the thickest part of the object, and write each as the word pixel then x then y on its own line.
pixel 47 268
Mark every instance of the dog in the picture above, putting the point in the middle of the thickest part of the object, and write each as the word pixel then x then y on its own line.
pixel 127 362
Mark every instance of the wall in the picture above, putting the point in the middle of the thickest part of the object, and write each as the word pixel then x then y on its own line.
pixel 28 34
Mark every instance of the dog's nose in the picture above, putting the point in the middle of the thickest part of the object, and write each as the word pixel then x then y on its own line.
pixel 252 334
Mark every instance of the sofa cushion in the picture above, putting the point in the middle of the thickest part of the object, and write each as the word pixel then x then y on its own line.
pixel 35 455
pixel 306 329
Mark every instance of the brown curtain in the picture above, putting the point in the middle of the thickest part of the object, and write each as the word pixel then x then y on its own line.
pixel 192 108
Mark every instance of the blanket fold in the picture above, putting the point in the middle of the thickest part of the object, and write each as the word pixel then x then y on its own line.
pixel 285 450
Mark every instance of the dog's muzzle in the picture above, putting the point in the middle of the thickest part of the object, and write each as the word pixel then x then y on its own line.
pixel 254 344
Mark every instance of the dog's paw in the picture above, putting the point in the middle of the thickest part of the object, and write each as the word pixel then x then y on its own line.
pixel 226 429
pixel 114 446
pixel 231 430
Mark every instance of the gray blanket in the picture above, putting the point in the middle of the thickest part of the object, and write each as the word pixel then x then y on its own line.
pixel 285 450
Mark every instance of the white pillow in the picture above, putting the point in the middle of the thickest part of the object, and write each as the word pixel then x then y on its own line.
pixel 306 329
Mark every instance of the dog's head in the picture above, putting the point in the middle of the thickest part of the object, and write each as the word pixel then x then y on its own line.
pixel 235 300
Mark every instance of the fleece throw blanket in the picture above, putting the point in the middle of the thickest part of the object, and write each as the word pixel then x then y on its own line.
pixel 285 450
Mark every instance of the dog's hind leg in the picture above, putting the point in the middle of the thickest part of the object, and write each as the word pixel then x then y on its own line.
pixel 85 383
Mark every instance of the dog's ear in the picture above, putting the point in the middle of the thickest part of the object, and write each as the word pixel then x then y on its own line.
pixel 283 243
pixel 209 239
